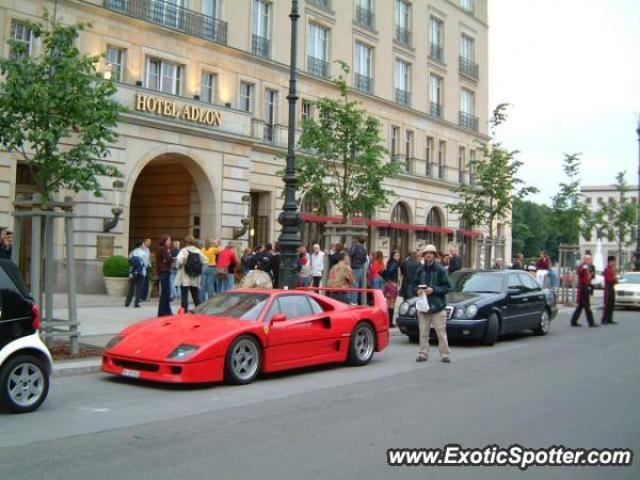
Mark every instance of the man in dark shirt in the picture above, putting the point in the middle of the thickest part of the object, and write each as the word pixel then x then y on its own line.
pixel 584 293
pixel 358 256
pixel 518 262
pixel 409 269
pixel 455 263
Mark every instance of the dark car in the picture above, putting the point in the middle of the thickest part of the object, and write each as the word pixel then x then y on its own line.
pixel 25 362
pixel 483 305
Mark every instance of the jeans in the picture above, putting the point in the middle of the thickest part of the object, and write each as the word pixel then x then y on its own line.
pixel 175 291
pixel 304 281
pixel 164 305
pixel 378 283
pixel 184 297
pixel 439 321
pixel 208 283
pixel 226 283
pixel 136 284
pixel 359 274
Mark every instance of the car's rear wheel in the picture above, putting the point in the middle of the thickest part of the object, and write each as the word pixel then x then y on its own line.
pixel 545 323
pixel 24 384
pixel 243 361
pixel 362 344
pixel 491 333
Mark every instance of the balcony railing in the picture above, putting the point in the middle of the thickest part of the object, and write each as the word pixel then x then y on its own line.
pixel 466 120
pixel 403 36
pixel 324 4
pixel 468 68
pixel 362 83
pixel 172 16
pixel 442 172
pixel 435 109
pixel 403 161
pixel 365 17
pixel 317 67
pixel 261 46
pixel 436 53
pixel 403 97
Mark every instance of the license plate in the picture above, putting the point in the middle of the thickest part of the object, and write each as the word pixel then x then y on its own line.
pixel 131 373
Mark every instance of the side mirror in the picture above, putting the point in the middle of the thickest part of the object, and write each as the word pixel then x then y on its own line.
pixel 279 317
pixel 513 291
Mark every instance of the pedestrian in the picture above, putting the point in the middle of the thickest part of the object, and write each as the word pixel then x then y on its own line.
pixel 610 280
pixel 227 263
pixel 584 293
pixel 334 254
pixel 164 262
pixel 359 260
pixel 433 282
pixel 376 271
pixel 455 263
pixel 246 260
pixel 446 258
pixel 410 269
pixel 175 249
pixel 304 267
pixel 317 265
pixel 208 287
pixel 137 273
pixel 392 284
pixel 6 243
pixel 258 277
pixel 190 264
pixel 146 257
pixel 542 267
pixel 341 276
pixel 275 265
pixel 518 262
pixel 498 265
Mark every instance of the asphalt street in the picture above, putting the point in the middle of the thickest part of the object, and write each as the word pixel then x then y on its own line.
pixel 575 387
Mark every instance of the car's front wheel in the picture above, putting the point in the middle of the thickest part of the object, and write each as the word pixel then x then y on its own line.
pixel 24 384
pixel 545 323
pixel 243 361
pixel 492 331
pixel 362 344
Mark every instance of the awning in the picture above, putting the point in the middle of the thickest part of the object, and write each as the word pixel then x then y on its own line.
pixel 470 233
pixel 310 217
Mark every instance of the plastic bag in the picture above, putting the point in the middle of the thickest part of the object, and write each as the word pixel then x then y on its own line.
pixel 422 304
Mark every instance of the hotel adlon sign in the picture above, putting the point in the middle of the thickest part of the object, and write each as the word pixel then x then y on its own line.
pixel 171 108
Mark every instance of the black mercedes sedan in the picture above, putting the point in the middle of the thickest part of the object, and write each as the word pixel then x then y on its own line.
pixel 484 304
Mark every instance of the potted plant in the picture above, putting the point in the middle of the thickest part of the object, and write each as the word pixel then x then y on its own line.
pixel 115 271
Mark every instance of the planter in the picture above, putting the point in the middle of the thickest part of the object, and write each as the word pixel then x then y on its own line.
pixel 116 286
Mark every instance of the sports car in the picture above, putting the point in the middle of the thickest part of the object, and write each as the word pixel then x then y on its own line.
pixel 241 333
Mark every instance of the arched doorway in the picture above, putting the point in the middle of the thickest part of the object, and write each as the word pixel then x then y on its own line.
pixel 172 196
pixel 434 219
pixel 465 243
pixel 312 231
pixel 399 238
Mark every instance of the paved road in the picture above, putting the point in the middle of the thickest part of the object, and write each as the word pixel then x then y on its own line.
pixel 575 387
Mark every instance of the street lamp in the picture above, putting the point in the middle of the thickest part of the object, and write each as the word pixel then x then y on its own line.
pixel 637 265
pixel 289 218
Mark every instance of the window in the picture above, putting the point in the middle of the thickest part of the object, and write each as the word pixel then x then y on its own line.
pixel 436 95
pixel 307 110
pixel 442 159
pixel 530 284
pixel 461 164
pixel 514 282
pixel 270 113
pixel 467 117
pixel 211 8
pixel 436 44
pixel 468 48
pixel 403 86
pixel 403 22
pixel 167 12
pixel 429 156
pixel 472 173
pixel 408 149
pixel 293 306
pixel 395 138
pixel 21 33
pixel 364 13
pixel 246 96
pixel 164 76
pixel 317 46
pixel 208 87
pixel 261 28
pixel 116 58
pixel 468 5
pixel 362 73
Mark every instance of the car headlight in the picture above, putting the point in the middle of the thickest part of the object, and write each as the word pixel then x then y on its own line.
pixel 471 311
pixel 183 352
pixel 404 308
pixel 114 341
pixel 459 313
pixel 412 310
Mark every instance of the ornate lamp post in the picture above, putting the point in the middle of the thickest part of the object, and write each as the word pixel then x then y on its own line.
pixel 289 218
pixel 637 269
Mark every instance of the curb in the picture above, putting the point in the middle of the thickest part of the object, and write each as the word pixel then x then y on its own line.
pixel 66 369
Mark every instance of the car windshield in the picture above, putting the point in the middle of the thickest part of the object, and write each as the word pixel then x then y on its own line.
pixel 630 278
pixel 243 306
pixel 477 282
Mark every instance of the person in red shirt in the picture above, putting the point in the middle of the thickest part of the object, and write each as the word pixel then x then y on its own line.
pixel 584 293
pixel 542 267
pixel 226 265
pixel 610 279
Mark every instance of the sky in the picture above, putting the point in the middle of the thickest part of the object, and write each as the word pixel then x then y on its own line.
pixel 570 69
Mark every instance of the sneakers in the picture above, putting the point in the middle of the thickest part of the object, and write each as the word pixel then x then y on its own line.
pixel 421 358
pixel 446 360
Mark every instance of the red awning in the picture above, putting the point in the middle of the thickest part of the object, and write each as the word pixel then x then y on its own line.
pixel 470 233
pixel 377 223
pixel 310 217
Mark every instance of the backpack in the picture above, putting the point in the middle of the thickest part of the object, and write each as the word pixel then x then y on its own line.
pixel 193 265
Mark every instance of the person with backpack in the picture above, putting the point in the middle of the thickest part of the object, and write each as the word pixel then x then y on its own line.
pixel 137 273
pixel 190 263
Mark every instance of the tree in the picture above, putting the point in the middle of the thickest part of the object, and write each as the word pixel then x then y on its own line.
pixel 346 161
pixel 56 111
pixel 490 197
pixel 531 229
pixel 569 210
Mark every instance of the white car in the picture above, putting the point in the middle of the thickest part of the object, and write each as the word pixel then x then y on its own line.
pixel 25 362
pixel 628 290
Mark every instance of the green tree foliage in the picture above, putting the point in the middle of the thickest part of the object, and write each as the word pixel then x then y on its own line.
pixel 56 111
pixel 570 213
pixel 490 198
pixel 531 229
pixel 345 163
